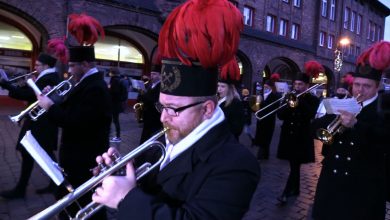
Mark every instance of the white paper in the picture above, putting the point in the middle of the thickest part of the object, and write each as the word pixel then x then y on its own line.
pixel 3 75
pixel 333 105
pixel 138 84
pixel 42 158
pixel 282 87
pixel 34 86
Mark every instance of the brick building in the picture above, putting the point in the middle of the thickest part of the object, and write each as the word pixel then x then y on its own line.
pixel 279 35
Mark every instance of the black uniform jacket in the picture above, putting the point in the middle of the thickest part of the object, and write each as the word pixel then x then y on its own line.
pixel 45 132
pixel 296 142
pixel 234 114
pixel 85 118
pixel 151 116
pixel 213 179
pixel 352 180
pixel 265 128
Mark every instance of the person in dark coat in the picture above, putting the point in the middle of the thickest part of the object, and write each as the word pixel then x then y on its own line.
pixel 231 105
pixel 206 174
pixel 43 130
pixel 118 93
pixel 85 119
pixel 352 183
pixel 151 117
pixel 296 144
pixel 265 128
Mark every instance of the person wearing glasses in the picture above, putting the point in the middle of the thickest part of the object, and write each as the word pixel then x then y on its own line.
pixel 206 173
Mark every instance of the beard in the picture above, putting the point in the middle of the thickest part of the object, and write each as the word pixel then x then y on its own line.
pixel 177 133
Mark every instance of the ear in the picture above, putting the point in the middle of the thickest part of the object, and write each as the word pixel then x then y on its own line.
pixel 209 107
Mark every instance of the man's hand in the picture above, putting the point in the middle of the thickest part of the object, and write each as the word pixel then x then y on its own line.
pixel 114 188
pixel 348 119
pixel 44 102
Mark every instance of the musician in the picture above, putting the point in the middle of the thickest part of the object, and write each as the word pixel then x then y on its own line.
pixel 84 116
pixel 265 128
pixel 352 181
pixel 295 143
pixel 231 105
pixel 43 130
pixel 207 174
pixel 151 117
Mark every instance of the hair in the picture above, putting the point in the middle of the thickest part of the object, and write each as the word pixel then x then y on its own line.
pixel 231 94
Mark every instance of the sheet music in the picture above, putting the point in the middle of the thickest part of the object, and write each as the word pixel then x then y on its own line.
pixel 281 87
pixel 42 158
pixel 138 84
pixel 3 75
pixel 333 105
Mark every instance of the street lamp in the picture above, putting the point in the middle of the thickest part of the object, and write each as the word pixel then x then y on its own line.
pixel 338 61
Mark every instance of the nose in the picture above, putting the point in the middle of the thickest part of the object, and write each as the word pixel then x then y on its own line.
pixel 164 116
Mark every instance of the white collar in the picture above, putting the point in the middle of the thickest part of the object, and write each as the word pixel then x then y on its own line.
pixel 369 101
pixel 88 73
pixel 45 72
pixel 174 151
pixel 221 100
pixel 155 84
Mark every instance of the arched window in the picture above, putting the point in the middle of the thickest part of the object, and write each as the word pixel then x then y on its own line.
pixel 13 38
pixel 119 50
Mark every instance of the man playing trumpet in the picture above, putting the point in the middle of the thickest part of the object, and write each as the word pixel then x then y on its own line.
pixel 43 130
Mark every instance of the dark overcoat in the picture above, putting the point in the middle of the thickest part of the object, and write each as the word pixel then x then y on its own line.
pixel 234 114
pixel 85 118
pixel 213 179
pixel 151 116
pixel 265 128
pixel 295 141
pixel 352 180
pixel 45 132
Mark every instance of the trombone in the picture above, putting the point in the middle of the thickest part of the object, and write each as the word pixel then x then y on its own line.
pixel 34 110
pixel 326 136
pixel 92 207
pixel 22 76
pixel 290 98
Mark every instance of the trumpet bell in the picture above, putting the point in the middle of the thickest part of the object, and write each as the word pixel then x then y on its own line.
pixel 325 136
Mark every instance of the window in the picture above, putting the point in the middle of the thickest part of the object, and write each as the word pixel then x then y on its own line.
pixel 324 8
pixel 294 31
pixel 297 3
pixel 247 14
pixel 347 11
pixel 270 23
pixel 287 1
pixel 332 13
pixel 358 24
pixel 116 49
pixel 350 49
pixel 283 27
pixel 357 51
pixel 373 29
pixel 369 29
pixel 330 41
pixel 378 33
pixel 322 39
pixel 352 24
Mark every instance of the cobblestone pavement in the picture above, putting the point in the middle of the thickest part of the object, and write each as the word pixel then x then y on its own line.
pixel 263 205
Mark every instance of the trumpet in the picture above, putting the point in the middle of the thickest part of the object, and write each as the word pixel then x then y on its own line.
pixel 139 110
pixel 34 110
pixel 290 99
pixel 92 207
pixel 326 136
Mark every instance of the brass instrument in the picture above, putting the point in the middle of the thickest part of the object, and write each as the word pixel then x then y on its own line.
pixel 326 136
pixel 34 110
pixel 120 163
pixel 290 99
pixel 255 102
pixel 22 76
pixel 139 111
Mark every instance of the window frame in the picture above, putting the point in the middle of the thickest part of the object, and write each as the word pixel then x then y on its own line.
pixel 283 27
pixel 330 41
pixel 321 41
pixel 251 13
pixel 297 3
pixel 359 24
pixel 324 8
pixel 346 19
pixel 332 11
pixel 272 25
pixel 294 31
pixel 352 23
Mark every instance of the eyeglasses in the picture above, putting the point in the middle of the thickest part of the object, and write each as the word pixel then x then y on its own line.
pixel 174 111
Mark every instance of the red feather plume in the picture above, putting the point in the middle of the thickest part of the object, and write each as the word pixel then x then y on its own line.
pixel 85 29
pixel 380 56
pixel 363 58
pixel 57 47
pixel 348 79
pixel 275 77
pixel 203 30
pixel 313 68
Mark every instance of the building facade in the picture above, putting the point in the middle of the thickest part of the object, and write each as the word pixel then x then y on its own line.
pixel 279 35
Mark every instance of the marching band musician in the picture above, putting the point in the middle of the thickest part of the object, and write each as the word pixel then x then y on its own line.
pixel 151 117
pixel 84 116
pixel 295 143
pixel 43 130
pixel 352 182
pixel 206 174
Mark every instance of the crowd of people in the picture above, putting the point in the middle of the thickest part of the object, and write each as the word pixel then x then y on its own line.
pixel 194 95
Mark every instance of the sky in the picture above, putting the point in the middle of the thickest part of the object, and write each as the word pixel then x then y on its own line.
pixel 387 24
